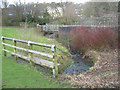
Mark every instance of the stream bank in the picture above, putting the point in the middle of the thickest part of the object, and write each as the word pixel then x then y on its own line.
pixel 78 66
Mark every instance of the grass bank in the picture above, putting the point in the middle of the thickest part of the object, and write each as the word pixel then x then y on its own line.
pixel 17 75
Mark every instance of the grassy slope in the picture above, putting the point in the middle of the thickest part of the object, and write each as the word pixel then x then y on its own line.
pixel 19 75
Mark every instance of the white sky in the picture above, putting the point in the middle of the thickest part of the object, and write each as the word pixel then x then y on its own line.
pixel 48 1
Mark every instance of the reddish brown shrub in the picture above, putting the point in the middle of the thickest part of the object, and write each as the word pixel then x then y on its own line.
pixel 99 38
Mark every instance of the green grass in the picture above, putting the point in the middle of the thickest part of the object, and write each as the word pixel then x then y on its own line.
pixel 21 76
pixel 31 34
pixel 16 75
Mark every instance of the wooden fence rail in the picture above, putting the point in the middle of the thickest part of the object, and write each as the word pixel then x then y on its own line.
pixel 51 64
pixel 48 28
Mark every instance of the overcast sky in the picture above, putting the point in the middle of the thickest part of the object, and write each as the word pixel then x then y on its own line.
pixel 48 1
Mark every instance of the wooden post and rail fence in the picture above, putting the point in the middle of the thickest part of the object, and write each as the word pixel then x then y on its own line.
pixel 55 28
pixel 51 64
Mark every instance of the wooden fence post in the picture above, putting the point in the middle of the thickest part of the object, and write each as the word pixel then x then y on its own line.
pixel 30 55
pixel 3 40
pixel 15 51
pixel 55 67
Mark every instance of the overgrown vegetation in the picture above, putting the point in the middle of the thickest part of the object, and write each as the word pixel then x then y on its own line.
pixel 100 47
pixel 104 74
pixel 83 39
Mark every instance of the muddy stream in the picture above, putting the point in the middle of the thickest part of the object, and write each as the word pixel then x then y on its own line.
pixel 78 66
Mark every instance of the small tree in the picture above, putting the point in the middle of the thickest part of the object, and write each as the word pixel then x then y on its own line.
pixel 30 18
pixel 45 19
pixel 69 13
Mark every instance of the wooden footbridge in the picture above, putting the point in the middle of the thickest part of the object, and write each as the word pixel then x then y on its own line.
pixel 33 60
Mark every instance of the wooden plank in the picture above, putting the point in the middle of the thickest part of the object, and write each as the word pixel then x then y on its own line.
pixel 3 41
pixel 41 44
pixel 57 26
pixel 27 50
pixel 40 53
pixel 36 60
pixel 55 68
pixel 31 56
pixel 24 41
pixel 21 56
pixel 18 40
pixel 43 62
pixel 14 43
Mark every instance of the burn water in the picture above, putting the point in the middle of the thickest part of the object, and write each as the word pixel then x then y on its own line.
pixel 78 66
